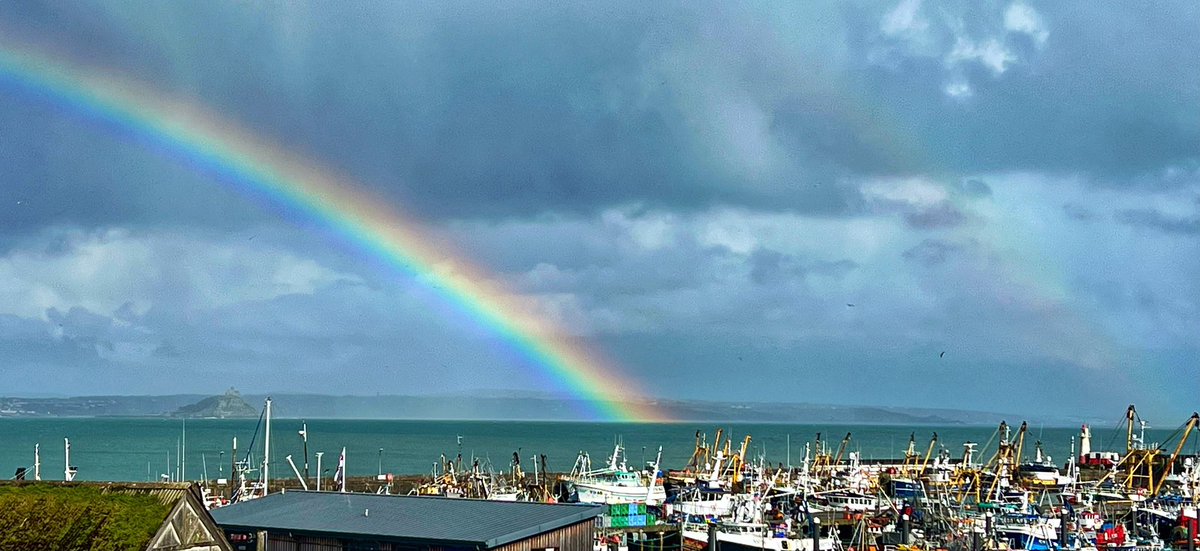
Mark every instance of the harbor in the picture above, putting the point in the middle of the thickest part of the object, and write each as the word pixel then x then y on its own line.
pixel 1003 491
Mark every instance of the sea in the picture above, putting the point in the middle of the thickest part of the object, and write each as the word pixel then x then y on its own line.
pixel 143 449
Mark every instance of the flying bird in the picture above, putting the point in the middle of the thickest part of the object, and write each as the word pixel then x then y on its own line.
pixel 942 354
pixel 849 305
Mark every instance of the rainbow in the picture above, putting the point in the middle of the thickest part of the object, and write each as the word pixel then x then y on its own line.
pixel 255 168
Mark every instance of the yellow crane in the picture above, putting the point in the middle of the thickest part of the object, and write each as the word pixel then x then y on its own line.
pixel 1189 426
pixel 739 461
pixel 1141 468
pixel 928 454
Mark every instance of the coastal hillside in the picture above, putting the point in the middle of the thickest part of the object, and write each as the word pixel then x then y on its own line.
pixel 496 405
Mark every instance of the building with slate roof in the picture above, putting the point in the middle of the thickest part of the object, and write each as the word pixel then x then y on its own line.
pixel 68 516
pixel 329 521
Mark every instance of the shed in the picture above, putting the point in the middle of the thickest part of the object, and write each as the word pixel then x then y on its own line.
pixel 346 521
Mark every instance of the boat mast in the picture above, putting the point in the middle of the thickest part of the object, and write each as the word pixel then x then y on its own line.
pixel 320 475
pixel 37 462
pixel 236 473
pixel 68 470
pixel 267 452
pixel 304 434
pixel 1129 415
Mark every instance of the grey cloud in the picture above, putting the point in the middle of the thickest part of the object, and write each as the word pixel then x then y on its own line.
pixel 168 350
pixel 35 351
pixel 837 268
pixel 770 267
pixel 766 266
pixel 1076 211
pixel 942 215
pixel 19 328
pixel 1121 296
pixel 682 179
pixel 973 188
pixel 932 252
pixel 486 111
pixel 1040 113
pixel 79 322
pixel 1155 219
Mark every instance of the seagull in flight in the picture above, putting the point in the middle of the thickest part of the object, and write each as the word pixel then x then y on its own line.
pixel 942 354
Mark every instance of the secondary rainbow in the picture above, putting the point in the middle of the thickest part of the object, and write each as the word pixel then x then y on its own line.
pixel 255 167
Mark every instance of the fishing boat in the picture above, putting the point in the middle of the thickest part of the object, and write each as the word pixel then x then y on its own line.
pixel 702 500
pixel 751 536
pixel 845 500
pixel 615 483
pixel 1031 532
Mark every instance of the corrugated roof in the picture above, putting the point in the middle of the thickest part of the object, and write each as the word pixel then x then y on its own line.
pixel 417 519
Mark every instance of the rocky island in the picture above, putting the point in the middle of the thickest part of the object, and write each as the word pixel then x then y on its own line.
pixel 228 406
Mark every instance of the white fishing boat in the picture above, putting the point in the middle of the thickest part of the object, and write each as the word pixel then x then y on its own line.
pixel 702 500
pixel 752 536
pixel 843 500
pixel 615 483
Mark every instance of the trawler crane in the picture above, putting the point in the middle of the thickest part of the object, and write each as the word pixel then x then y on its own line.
pixel 928 454
pixel 1140 460
pixel 842 449
pixel 910 453
pixel 1189 426
pixel 738 461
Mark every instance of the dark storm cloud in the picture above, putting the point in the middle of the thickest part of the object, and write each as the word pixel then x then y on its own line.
pixel 1156 219
pixel 519 108
pixel 57 168
pixel 1035 105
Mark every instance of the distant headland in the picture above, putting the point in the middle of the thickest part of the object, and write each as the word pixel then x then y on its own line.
pixel 502 405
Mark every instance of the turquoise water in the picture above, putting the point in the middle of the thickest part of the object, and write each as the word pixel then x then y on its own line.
pixel 135 449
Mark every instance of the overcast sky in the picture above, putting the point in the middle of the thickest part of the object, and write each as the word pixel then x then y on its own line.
pixel 749 201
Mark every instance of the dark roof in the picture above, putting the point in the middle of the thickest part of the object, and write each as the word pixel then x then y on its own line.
pixel 470 522
pixel 80 515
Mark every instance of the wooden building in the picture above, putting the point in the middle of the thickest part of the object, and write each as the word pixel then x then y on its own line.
pixel 329 521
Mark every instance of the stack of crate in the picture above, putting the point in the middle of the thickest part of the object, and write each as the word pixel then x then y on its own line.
pixel 628 515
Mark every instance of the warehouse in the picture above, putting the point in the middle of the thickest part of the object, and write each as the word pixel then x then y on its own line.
pixel 329 521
